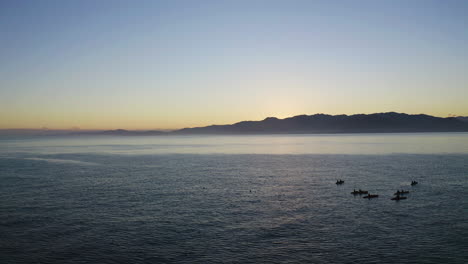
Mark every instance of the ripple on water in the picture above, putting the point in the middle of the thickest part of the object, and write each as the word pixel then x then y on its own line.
pixel 233 208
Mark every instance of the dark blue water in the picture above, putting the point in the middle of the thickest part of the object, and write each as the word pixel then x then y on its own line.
pixel 101 207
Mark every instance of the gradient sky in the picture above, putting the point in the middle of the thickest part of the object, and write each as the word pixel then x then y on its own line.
pixel 172 64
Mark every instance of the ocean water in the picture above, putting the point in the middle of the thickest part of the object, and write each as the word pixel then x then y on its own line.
pixel 234 199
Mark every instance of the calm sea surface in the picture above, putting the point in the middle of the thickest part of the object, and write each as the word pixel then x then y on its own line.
pixel 234 199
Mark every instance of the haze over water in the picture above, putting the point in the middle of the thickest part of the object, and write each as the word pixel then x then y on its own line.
pixel 235 199
pixel 384 143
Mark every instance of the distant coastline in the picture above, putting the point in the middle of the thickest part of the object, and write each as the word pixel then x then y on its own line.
pixel 389 122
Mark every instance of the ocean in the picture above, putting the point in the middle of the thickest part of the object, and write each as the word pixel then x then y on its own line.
pixel 234 199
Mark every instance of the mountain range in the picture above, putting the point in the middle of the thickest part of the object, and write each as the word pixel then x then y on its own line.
pixel 321 123
pixel 390 122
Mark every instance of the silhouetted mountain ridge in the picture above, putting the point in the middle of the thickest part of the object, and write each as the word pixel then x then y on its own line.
pixel 390 122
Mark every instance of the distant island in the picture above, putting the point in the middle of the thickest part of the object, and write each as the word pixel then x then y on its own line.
pixel 390 122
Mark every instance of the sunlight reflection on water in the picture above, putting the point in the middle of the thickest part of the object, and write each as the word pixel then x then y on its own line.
pixel 260 144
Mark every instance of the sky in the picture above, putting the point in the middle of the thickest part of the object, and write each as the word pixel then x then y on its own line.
pixel 174 64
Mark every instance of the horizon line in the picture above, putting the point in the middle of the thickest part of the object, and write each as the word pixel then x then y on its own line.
pixel 79 129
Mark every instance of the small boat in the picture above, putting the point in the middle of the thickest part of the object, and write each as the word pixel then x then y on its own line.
pixel 369 196
pixel 397 198
pixel 339 182
pixel 359 192
pixel 401 192
pixel 414 183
